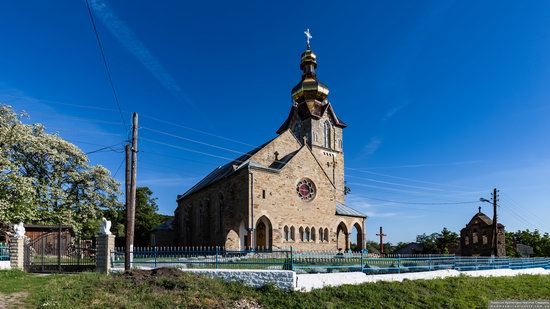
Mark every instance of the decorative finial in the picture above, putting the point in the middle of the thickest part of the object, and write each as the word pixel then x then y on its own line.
pixel 105 227
pixel 308 37
pixel 479 209
pixel 19 230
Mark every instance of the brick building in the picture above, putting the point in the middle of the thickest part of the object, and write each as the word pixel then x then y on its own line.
pixel 286 192
pixel 476 237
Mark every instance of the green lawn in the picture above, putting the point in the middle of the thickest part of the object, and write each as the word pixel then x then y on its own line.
pixel 176 289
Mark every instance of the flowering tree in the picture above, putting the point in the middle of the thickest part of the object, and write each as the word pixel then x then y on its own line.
pixel 45 179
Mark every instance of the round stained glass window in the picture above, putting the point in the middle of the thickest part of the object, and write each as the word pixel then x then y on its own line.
pixel 305 190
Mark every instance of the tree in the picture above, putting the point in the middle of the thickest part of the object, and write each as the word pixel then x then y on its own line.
pixel 438 243
pixel 447 239
pixel 146 218
pixel 539 242
pixel 347 189
pixel 45 179
pixel 428 242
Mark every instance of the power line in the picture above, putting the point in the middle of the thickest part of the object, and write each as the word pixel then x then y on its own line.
pixel 393 183
pixel 523 209
pixel 192 140
pixel 422 203
pixel 108 148
pixel 409 179
pixel 106 67
pixel 197 130
pixel 119 166
pixel 63 103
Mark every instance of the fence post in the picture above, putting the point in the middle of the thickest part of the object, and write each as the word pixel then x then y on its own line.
pixel 155 255
pixel 430 262
pixel 361 260
pixel 399 263
pixel 291 259
pixel 17 252
pixel 105 245
pixel 216 257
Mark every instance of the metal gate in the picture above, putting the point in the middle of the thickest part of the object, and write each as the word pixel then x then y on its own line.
pixel 55 250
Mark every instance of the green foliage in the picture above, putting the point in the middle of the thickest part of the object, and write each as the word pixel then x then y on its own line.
pixel 189 290
pixel 438 243
pixel 539 242
pixel 147 218
pixel 45 179
pixel 347 189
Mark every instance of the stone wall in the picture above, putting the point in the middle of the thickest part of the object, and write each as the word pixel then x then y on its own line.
pixel 215 215
pixel 283 279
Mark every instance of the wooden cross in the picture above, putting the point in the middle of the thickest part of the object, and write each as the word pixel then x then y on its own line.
pixel 381 240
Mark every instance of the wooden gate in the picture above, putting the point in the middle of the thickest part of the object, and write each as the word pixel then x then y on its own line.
pixel 53 249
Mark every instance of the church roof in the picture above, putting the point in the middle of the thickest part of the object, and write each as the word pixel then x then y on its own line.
pixel 344 210
pixel 483 218
pixel 223 171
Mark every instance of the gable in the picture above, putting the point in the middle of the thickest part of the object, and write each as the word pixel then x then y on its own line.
pixel 302 112
pixel 284 144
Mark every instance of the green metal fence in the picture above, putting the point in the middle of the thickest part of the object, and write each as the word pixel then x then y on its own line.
pixel 313 262
pixel 4 252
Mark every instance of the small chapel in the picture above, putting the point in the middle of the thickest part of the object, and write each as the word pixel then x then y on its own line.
pixel 288 192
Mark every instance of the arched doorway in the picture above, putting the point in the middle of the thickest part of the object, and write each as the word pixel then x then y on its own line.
pixel 264 234
pixel 342 239
pixel 357 238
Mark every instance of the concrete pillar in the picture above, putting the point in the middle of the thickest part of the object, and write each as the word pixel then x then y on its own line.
pixel 17 252
pixel 105 245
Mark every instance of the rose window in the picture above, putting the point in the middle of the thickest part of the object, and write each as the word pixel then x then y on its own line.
pixel 306 190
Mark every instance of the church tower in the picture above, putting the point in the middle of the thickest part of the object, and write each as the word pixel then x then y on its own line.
pixel 313 121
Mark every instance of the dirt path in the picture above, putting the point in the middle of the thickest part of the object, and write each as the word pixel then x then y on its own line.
pixel 14 300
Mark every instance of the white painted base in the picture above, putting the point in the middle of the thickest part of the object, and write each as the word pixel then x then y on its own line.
pixel 5 265
pixel 308 282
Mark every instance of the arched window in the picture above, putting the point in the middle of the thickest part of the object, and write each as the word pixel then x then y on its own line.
pixel 302 236
pixel 484 239
pixel 321 238
pixel 292 233
pixel 326 235
pixel 327 129
pixel 467 240
pixel 474 238
pixel 287 233
pixel 313 236
pixel 308 238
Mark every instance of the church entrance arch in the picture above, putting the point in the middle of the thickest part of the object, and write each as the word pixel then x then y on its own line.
pixel 264 234
pixel 358 233
pixel 342 237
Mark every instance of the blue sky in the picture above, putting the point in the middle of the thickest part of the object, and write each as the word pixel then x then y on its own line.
pixel 444 99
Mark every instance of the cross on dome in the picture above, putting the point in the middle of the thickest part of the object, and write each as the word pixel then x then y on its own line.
pixel 308 37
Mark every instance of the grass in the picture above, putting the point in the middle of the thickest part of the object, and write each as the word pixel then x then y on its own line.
pixel 177 289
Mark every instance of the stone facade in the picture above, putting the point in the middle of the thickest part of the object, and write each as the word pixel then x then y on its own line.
pixel 17 252
pixel 287 192
pixel 476 237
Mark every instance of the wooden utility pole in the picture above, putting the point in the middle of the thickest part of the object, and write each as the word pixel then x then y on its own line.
pixel 131 207
pixel 128 195
pixel 381 240
pixel 495 227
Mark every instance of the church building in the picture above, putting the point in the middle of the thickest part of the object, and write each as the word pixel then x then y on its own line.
pixel 287 192
pixel 476 238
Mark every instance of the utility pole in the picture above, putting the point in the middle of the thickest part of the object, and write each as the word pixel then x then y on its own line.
pixel 381 240
pixel 495 228
pixel 131 207
pixel 127 250
pixel 494 201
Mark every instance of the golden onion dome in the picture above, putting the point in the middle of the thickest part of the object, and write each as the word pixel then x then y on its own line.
pixel 309 88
